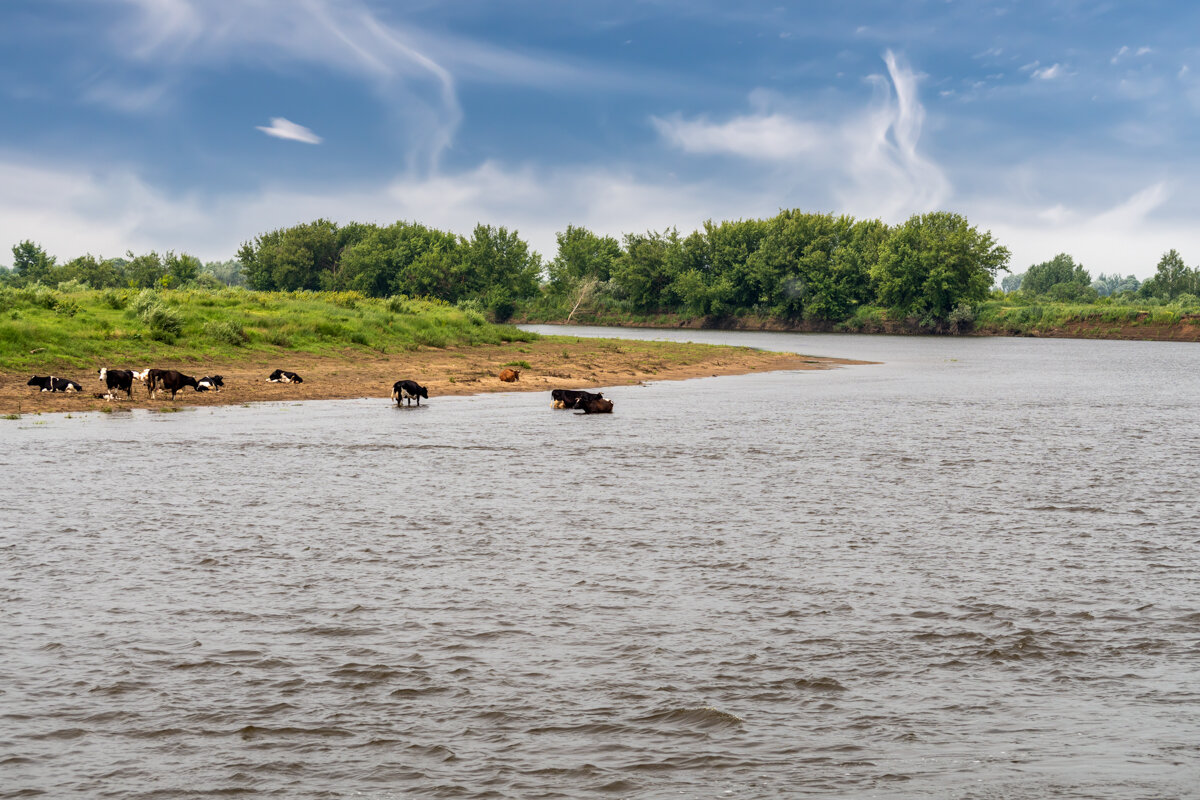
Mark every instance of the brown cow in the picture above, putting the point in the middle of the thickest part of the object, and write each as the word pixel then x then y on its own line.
pixel 598 405
pixel 508 375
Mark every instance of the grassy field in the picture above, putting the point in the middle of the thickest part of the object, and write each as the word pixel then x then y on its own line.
pixel 42 328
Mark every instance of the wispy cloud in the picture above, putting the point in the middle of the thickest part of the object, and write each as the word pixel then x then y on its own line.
pixel 876 165
pixel 282 128
pixel 1048 73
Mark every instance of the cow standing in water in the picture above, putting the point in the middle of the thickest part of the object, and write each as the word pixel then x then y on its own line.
pixel 596 406
pixel 571 398
pixel 407 390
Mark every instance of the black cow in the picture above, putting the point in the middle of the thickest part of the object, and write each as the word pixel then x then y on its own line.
pixel 118 380
pixel 597 406
pixel 210 382
pixel 571 398
pixel 170 380
pixel 49 383
pixel 407 390
pixel 283 376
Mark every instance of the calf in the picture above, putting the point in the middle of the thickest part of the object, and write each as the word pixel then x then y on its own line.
pixel 49 383
pixel 508 375
pixel 407 390
pixel 118 380
pixel 210 382
pixel 171 381
pixel 283 376
pixel 571 398
pixel 597 406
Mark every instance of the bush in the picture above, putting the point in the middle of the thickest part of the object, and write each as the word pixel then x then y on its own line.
pixel 961 319
pixel 72 285
pixel 165 324
pixel 227 332
pixel 399 304
pixel 145 300
pixel 114 299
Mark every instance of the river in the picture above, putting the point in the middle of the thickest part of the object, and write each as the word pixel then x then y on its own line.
pixel 969 571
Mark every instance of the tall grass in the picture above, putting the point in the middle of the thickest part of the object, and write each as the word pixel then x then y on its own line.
pixel 40 327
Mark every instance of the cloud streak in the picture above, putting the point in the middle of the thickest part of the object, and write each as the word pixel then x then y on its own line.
pixel 871 159
pixel 283 128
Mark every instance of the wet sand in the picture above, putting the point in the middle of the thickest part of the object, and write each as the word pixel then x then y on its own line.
pixel 553 363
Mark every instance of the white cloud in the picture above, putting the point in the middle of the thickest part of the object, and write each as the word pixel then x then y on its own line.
pixel 1124 49
pixel 1048 73
pixel 870 159
pixel 282 128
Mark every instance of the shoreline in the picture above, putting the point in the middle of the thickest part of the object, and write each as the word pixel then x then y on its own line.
pixel 1186 330
pixel 553 362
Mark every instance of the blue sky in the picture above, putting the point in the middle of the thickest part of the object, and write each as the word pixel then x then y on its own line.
pixel 196 124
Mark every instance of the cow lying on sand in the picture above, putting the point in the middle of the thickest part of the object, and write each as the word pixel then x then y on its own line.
pixel 117 380
pixel 508 375
pixel 597 406
pixel 407 390
pixel 210 383
pixel 49 383
pixel 283 376
pixel 571 398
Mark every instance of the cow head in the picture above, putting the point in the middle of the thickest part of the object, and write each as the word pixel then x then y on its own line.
pixel 103 373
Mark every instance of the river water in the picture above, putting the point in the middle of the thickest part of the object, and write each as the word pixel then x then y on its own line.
pixel 967 572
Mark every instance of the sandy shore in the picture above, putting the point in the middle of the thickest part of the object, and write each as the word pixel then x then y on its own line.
pixel 553 363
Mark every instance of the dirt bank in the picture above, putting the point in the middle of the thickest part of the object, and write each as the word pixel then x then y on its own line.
pixel 555 362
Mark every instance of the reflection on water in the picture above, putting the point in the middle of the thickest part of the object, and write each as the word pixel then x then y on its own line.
pixel 966 572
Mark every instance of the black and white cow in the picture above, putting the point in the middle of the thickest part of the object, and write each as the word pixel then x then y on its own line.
pixel 49 383
pixel 210 382
pixel 117 380
pixel 283 376
pixel 407 390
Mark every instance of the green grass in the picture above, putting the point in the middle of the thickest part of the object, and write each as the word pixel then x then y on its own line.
pixel 521 364
pixel 41 327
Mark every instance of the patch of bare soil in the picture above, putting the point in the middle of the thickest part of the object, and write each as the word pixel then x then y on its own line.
pixel 572 364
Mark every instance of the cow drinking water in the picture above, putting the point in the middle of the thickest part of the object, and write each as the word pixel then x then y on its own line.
pixel 407 390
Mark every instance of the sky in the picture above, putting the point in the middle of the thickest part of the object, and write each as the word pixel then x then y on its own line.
pixel 195 125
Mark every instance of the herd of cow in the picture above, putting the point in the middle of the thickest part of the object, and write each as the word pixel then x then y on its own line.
pixel 169 380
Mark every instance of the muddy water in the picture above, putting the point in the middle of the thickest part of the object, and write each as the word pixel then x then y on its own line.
pixel 968 572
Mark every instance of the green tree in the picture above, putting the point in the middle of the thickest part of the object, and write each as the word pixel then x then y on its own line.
pixel 935 262
pixel 291 258
pixel 1062 269
pixel 1172 278
pixel 499 268
pixel 227 272
pixel 648 266
pixel 582 255
pixel 31 263
pixel 182 268
pixel 144 271
pixel 96 273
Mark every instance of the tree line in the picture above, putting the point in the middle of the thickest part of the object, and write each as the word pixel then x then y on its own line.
pixel 1061 279
pixel 793 266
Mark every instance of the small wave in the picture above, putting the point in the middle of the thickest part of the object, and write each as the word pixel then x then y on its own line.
pixel 704 718
pixel 256 732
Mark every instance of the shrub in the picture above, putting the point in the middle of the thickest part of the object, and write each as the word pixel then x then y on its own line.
pixel 399 304
pixel 165 324
pixel 145 299
pixel 73 285
pixel 114 299
pixel 227 332
pixel 961 319
pixel 358 337
pixel 279 339
pixel 521 364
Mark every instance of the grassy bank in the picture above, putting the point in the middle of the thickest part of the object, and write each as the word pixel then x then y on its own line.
pixel 1104 319
pixel 41 328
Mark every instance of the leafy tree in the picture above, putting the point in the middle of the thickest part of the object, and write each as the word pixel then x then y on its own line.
pixel 934 262
pixel 1012 283
pixel 582 255
pixel 31 263
pixel 144 271
pixel 499 268
pixel 182 268
pixel 1110 285
pixel 291 258
pixel 1039 278
pixel 96 273
pixel 228 272
pixel 648 265
pixel 1172 278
